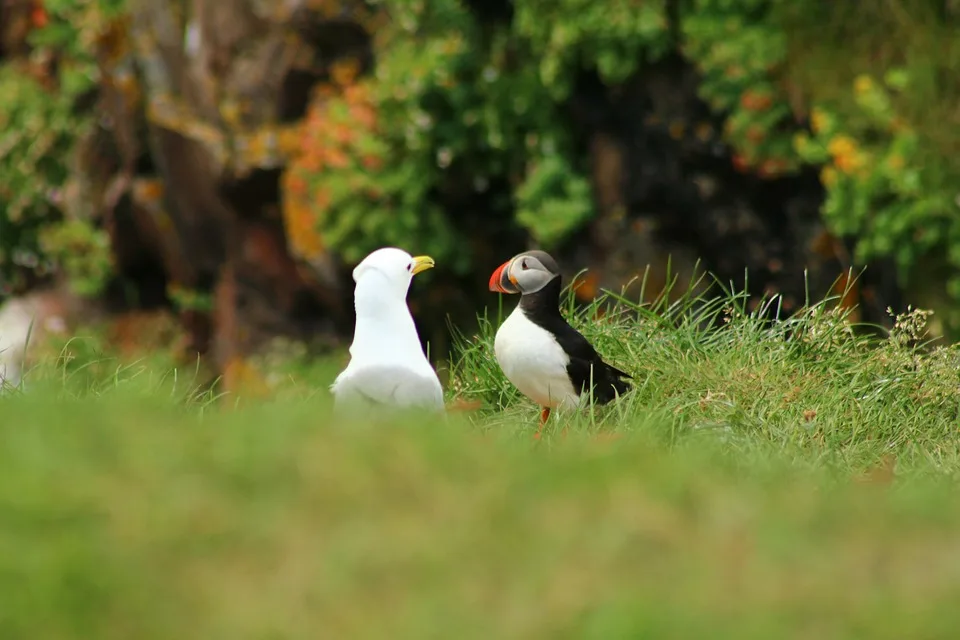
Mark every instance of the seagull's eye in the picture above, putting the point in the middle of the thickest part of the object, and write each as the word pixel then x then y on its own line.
pixel 409 266
pixel 523 265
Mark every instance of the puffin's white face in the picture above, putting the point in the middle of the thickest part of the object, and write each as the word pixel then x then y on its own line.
pixel 524 273
pixel 395 266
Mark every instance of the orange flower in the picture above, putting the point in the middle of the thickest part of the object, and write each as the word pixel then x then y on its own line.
pixel 364 115
pixel 355 93
pixel 296 184
pixel 337 159
pixel 587 287
pixel 289 139
pixel 309 159
pixel 846 156
pixel 372 162
pixel 828 177
pixel 851 161
pixel 342 133
pixel 842 146
pixel 300 223
pixel 733 71
pixel 755 101
pixel 38 17
pixel 756 134
pixel 344 72
pixel 150 189
pixel 325 90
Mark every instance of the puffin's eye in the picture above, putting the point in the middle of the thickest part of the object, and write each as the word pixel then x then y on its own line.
pixel 523 265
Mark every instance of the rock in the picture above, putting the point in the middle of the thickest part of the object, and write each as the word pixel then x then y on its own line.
pixel 31 319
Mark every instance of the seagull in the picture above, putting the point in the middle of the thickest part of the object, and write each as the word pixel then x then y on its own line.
pixel 549 361
pixel 387 365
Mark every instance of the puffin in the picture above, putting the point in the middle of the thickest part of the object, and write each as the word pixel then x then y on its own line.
pixel 387 367
pixel 549 361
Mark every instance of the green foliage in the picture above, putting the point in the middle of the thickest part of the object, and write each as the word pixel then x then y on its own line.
pixel 40 128
pixel 569 36
pixel 455 111
pixel 82 251
pixel 37 131
pixel 884 187
pixel 185 299
pixel 374 153
pixel 881 114
pixel 879 190
pixel 455 107
pixel 884 131
pixel 461 103
pixel 739 51
pixel 396 151
pixel 553 200
pixel 72 33
pixel 812 387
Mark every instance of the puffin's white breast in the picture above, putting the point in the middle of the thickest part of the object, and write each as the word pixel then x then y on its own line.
pixel 534 361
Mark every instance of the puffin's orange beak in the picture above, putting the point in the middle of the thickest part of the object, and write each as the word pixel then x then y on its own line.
pixel 501 281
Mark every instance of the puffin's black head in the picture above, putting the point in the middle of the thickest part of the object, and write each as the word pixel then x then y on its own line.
pixel 526 272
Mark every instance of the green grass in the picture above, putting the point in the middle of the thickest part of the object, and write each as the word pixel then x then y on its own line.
pixel 733 504
pixel 813 389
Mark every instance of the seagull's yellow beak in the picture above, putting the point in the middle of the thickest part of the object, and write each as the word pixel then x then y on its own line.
pixel 421 263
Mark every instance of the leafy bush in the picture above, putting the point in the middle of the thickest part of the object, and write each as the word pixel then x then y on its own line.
pixel 459 107
pixel 40 228
pixel 451 98
pixel 878 189
pixel 568 36
pixel 37 134
pixel 740 51
pixel 448 103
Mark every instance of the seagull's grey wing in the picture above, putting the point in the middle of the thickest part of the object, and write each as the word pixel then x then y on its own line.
pixel 389 385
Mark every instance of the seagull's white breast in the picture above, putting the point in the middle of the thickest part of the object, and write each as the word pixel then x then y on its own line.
pixel 534 362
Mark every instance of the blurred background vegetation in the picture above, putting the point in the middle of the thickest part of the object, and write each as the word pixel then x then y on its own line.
pixel 230 160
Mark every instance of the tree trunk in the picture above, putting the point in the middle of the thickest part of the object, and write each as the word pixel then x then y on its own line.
pixel 203 99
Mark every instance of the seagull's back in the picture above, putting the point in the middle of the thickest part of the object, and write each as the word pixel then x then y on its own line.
pixel 387 364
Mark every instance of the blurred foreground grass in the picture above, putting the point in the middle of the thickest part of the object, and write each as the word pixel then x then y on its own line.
pixel 763 481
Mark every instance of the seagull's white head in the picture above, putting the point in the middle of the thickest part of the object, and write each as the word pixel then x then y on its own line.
pixel 390 270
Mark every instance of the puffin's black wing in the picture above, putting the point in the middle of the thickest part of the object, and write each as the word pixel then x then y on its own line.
pixel 543 309
pixel 608 381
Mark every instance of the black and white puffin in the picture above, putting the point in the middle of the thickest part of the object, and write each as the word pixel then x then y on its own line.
pixel 549 361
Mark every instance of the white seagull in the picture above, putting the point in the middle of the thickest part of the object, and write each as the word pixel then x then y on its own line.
pixel 387 365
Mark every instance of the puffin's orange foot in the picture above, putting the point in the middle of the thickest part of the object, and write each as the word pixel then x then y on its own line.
pixel 544 414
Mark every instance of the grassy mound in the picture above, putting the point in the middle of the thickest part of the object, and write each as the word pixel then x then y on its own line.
pixel 768 480
pixel 813 388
